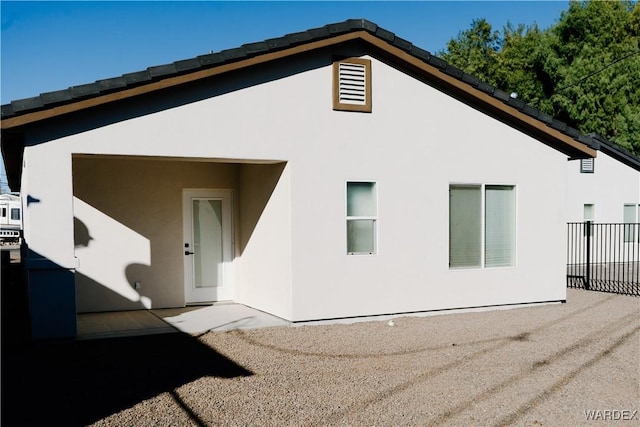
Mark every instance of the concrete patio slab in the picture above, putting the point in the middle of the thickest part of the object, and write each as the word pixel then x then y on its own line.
pixel 218 317
pixel 190 320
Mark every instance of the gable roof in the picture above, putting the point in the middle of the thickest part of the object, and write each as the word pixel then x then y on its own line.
pixel 26 112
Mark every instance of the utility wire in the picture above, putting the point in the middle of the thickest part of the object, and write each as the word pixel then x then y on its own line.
pixel 599 71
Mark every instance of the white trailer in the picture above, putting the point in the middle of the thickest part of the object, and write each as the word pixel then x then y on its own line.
pixel 10 219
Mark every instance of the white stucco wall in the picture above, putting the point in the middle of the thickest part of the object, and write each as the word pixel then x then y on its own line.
pixel 47 198
pixel 612 185
pixel 417 142
pixel 414 144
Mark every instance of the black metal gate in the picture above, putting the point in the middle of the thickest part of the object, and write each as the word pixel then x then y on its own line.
pixel 604 257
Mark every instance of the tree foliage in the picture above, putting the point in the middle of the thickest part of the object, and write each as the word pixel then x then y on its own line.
pixel 584 70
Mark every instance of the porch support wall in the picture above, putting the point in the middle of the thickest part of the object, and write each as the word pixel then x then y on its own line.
pixel 48 234
pixel 264 238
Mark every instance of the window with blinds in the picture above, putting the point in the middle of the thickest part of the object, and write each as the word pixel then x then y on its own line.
pixel 465 226
pixel 352 85
pixel 482 226
pixel 499 226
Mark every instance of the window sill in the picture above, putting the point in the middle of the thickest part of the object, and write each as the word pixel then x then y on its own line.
pixel 502 267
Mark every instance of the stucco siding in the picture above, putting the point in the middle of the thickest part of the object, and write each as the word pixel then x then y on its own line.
pixel 47 198
pixel 264 245
pixel 291 257
pixel 416 142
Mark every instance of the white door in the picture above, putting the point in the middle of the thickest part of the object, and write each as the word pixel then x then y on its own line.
pixel 208 245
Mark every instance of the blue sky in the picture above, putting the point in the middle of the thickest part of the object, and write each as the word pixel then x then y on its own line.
pixel 47 46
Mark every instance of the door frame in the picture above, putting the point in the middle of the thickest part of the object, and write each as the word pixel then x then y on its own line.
pixel 226 292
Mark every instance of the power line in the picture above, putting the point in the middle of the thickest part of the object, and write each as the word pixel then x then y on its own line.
pixel 598 71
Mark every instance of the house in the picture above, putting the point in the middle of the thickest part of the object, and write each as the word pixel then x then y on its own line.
pixel 606 190
pixel 604 255
pixel 332 173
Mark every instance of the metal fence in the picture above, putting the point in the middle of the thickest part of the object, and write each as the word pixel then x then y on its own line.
pixel 604 257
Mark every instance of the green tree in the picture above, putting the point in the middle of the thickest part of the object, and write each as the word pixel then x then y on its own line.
pixel 584 70
pixel 523 65
pixel 597 89
pixel 475 50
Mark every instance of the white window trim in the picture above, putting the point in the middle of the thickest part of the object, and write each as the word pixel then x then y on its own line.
pixel 374 218
pixel 482 265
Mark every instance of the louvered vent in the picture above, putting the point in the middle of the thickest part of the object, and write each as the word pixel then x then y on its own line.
pixel 352 83
pixel 586 165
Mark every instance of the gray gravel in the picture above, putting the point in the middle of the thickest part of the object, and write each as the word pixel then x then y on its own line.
pixel 544 365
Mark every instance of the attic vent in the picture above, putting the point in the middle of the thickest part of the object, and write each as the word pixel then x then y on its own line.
pixel 587 165
pixel 352 85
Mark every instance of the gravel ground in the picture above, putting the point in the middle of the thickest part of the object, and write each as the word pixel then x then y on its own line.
pixel 545 365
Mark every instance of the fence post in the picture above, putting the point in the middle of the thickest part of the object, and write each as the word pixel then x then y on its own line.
pixel 587 280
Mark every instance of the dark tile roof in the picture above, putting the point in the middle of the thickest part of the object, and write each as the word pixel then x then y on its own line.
pixel 101 87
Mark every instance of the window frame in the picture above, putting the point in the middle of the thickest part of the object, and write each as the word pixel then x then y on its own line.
pixel 630 229
pixel 483 224
pixel 345 106
pixel 592 214
pixel 374 218
pixel 591 217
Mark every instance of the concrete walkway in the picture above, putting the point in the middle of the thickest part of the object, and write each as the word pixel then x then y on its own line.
pixel 192 320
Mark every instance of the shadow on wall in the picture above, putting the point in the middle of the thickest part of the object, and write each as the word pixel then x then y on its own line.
pixel 89 290
pixel 81 236
pixel 107 255
pixel 257 184
pixel 76 383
